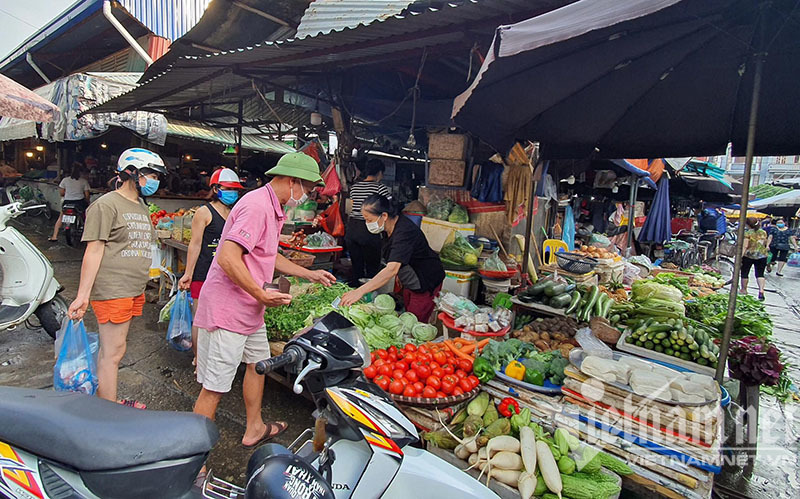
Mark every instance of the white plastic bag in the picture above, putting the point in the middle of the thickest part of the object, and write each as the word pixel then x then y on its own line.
pixel 591 345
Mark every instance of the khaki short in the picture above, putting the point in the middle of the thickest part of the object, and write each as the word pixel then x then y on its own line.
pixel 219 353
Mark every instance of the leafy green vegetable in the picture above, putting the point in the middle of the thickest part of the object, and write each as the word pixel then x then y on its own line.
pixel 409 320
pixel 751 317
pixel 423 332
pixel 648 288
pixel 283 322
pixel 378 337
pixel 384 304
pixel 500 353
pixel 458 215
pixel 523 418
pixel 681 283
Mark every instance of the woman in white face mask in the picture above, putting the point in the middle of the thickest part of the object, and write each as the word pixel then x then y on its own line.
pixel 407 256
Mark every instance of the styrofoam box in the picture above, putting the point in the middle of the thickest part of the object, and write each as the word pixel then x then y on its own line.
pixel 460 283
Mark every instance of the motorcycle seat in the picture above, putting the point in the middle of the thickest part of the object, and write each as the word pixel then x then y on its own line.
pixel 92 434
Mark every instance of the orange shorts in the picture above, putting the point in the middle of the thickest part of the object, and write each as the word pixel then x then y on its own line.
pixel 118 310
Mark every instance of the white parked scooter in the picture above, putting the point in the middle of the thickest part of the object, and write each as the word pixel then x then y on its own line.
pixel 28 286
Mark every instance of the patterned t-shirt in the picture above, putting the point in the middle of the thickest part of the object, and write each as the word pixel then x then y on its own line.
pixel 757 245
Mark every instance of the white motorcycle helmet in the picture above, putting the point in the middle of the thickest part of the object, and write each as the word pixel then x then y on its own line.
pixel 133 161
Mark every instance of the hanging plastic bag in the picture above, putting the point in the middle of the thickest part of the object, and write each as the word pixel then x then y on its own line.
pixel 179 332
pixel 166 311
pixel 331 220
pixel 320 240
pixel 332 185
pixel 794 260
pixel 75 369
pixel 494 263
pixel 568 234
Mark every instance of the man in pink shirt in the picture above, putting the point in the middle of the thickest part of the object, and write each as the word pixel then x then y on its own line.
pixel 230 312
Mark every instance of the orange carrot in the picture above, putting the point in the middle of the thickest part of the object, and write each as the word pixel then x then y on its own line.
pixel 456 351
pixel 471 347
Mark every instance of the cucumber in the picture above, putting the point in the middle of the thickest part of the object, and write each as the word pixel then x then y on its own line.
pixel 629 339
pixel 614 319
pixel 668 351
pixel 537 288
pixel 661 336
pixel 665 343
pixel 659 348
pixel 659 328
pixel 648 345
pixel 574 302
pixel 593 295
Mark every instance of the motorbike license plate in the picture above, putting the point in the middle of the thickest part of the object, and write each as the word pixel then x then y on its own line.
pixel 68 219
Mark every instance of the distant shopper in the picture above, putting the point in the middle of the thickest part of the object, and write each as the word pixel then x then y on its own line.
pixel 207 225
pixel 363 246
pixel 116 263
pixel 754 254
pixel 73 189
pixel 783 240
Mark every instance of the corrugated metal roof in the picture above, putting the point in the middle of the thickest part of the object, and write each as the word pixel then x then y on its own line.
pixel 197 78
pixel 169 19
pixel 218 136
pixel 324 16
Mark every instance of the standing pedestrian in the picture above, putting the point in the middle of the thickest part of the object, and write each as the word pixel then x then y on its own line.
pixel 363 246
pixel 754 254
pixel 116 264
pixel 207 225
pixel 230 315
pixel 783 239
pixel 74 189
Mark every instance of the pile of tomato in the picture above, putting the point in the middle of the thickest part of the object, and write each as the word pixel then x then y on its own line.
pixel 428 371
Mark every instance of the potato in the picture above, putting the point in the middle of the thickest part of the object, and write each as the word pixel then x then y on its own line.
pixel 542 346
pixel 544 336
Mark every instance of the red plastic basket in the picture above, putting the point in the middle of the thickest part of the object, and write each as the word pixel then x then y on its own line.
pixel 449 323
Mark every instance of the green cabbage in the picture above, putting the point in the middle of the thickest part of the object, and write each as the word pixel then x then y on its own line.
pixel 384 304
pixel 644 289
pixel 458 215
pixel 378 337
pixel 424 332
pixel 409 320
pixel 392 323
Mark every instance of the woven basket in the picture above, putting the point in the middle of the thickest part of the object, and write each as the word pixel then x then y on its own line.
pixel 301 259
pixel 575 263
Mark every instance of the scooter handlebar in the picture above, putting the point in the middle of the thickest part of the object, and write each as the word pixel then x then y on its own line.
pixel 290 356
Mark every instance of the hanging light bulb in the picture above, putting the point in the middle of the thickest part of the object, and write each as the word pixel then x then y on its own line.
pixel 571 179
pixel 411 142
pixel 103 146
pixel 40 148
pixel 615 189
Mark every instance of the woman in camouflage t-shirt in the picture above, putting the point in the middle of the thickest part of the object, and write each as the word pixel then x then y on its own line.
pixel 754 254
pixel 116 263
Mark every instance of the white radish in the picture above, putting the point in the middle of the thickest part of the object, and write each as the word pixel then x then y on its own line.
pixel 506 460
pixel 461 452
pixel 508 477
pixel 527 446
pixel 526 484
pixel 548 467
pixel 504 443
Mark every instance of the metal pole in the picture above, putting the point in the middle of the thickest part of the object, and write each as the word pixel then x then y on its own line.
pixel 239 135
pixel 526 252
pixel 737 267
pixel 631 202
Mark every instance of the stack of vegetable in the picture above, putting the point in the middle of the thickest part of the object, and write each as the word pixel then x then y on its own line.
pixel 585 303
pixel 505 445
pixel 522 361
pixel 309 301
pixel 681 283
pixel 751 318
pixel 432 370
pixel 459 253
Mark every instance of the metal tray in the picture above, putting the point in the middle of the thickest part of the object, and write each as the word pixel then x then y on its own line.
pixel 663 359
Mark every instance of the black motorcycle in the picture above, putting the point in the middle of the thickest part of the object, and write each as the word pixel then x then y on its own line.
pixel 73 218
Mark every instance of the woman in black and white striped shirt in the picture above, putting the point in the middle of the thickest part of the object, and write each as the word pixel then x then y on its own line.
pixel 364 247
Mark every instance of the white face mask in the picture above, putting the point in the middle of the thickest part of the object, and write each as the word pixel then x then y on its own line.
pixel 295 202
pixel 374 228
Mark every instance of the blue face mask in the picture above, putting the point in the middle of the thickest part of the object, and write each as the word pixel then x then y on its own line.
pixel 780 225
pixel 228 197
pixel 150 187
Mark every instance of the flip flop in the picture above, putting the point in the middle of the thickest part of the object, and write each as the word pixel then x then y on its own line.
pixel 269 433
pixel 201 479
pixel 132 403
pixel 52 240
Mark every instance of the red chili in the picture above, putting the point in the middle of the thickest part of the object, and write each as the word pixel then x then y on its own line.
pixel 508 407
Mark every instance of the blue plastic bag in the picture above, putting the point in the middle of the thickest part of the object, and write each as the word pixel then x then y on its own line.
pixel 179 332
pixel 568 232
pixel 75 369
pixel 794 260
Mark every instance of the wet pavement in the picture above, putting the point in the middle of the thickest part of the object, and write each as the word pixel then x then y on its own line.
pixel 151 371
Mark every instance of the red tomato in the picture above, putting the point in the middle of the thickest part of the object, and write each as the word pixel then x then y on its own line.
pixel 411 375
pixel 448 386
pixel 396 387
pixel 465 385
pixel 410 347
pixel 372 357
pixel 465 365
pixel 392 357
pixel 418 387
pixel 429 392
pixel 400 364
pixel 457 391
pixel 448 368
pixel 398 373
pixel 411 357
pixel 434 381
pixel 379 362
pixel 370 372
pixel 434 365
pixel 473 380
pixel 409 391
pixel 440 357
pixel 422 349
pixel 460 374
pixel 438 372
pixel 424 357
pixel 423 372
pixel 452 378
pixel 392 350
pixel 405 382
pixel 385 369
pixel 382 353
pixel 382 381
pixel 441 395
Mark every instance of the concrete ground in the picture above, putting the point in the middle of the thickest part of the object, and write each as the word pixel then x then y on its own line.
pixel 151 371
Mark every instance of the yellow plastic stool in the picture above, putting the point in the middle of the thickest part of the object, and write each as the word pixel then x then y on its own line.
pixel 552 246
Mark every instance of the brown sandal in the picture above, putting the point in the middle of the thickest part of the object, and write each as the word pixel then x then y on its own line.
pixel 273 430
